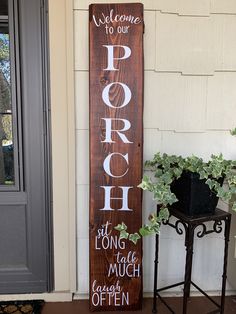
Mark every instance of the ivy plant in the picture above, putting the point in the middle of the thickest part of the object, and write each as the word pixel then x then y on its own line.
pixel 163 169
pixel 233 132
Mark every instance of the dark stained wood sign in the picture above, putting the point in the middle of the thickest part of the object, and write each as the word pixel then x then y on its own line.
pixel 116 145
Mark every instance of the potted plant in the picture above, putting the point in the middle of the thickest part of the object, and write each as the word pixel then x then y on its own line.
pixel 190 184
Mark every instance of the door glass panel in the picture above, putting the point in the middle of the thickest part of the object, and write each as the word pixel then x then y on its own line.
pixel 6 133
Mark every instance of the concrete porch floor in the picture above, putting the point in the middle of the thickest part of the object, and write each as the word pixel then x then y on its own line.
pixel 197 305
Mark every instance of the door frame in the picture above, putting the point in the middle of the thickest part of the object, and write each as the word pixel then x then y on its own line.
pixel 61 41
pixel 61 68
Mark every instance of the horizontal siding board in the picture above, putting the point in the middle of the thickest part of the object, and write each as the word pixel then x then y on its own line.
pixel 193 7
pixel 223 6
pixel 149 40
pixel 84 4
pixel 82 100
pixel 152 142
pixel 185 44
pixel 175 102
pixel 226 42
pixel 182 7
pixel 195 45
pixel 221 101
pixel 202 144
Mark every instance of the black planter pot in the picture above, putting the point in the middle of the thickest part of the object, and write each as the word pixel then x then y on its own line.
pixel 194 196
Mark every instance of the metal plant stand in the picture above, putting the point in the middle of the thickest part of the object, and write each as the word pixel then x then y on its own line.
pixel 189 224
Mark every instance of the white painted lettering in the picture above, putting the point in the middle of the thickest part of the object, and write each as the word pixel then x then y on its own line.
pixel 106 98
pixel 124 198
pixel 109 130
pixel 95 299
pixel 107 164
pixel 115 18
pixel 112 242
pixel 122 270
pixel 111 58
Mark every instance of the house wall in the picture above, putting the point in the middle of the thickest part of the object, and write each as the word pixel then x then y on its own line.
pixel 189 108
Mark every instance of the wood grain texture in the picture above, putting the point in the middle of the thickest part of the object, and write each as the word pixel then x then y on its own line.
pixel 128 291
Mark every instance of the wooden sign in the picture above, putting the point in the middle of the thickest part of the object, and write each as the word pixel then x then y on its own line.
pixel 116 145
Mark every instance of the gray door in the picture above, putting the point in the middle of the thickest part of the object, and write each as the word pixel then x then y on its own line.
pixel 24 163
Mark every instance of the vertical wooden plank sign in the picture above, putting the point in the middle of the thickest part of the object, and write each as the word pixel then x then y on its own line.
pixel 116 144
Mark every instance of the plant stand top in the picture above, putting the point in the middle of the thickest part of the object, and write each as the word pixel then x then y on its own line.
pixel 199 221
pixel 218 215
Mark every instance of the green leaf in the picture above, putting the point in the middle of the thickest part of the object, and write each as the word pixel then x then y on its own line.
pixel 177 172
pixel 233 131
pixel 145 231
pixel 234 206
pixel 210 183
pixel 203 174
pixel 148 230
pixel 167 178
pixel 121 227
pixel 146 183
pixel 134 237
pixel 224 195
pixel 124 234
pixel 164 213
pixel 155 228
pixel 158 173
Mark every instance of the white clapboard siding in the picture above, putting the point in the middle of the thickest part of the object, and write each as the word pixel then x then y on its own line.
pixel 152 143
pixel 82 156
pixel 83 266
pixel 185 44
pixel 82 100
pixel 84 4
pixel 193 7
pixel 175 102
pixel 204 271
pixel 182 7
pixel 221 101
pixel 83 210
pixel 223 6
pixel 201 144
pixel 226 48
pixel 149 40
pixel 195 45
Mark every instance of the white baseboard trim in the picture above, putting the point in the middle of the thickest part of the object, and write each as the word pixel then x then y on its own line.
pixel 85 296
pixel 193 294
pixel 68 296
pixel 80 296
pixel 48 297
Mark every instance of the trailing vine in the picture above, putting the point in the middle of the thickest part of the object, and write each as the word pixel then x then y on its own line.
pixel 163 169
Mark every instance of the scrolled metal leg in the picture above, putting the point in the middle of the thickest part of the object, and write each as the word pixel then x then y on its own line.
pixel 188 265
